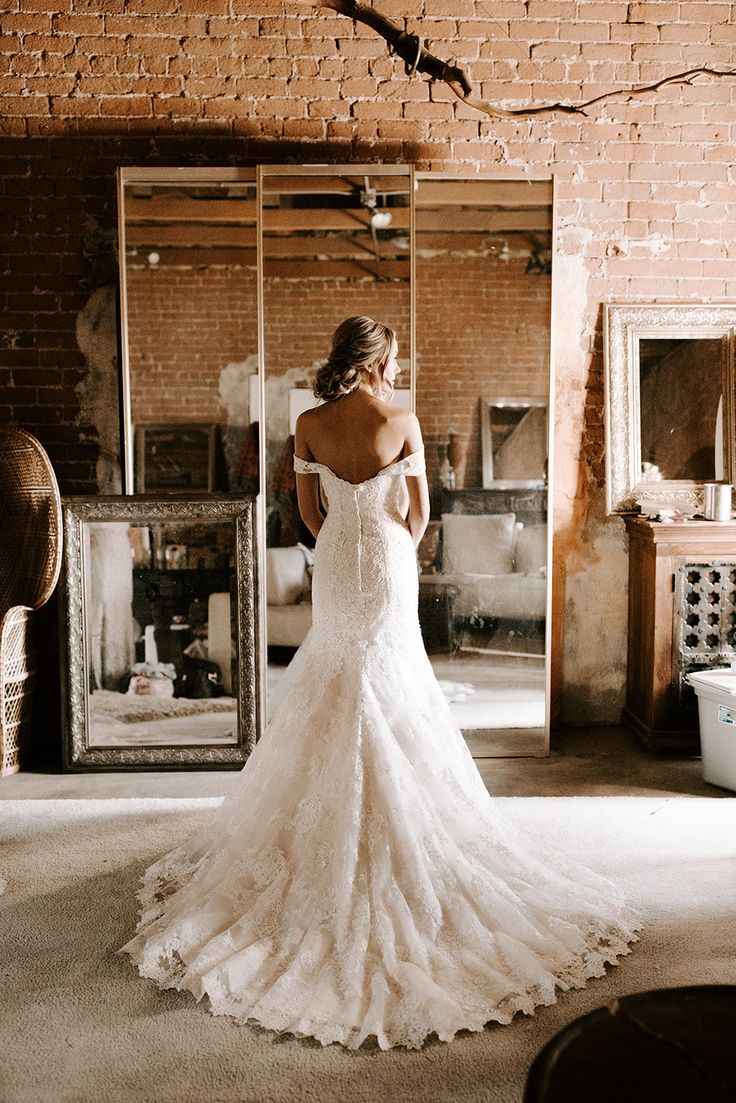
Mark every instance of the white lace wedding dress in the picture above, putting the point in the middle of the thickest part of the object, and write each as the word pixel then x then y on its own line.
pixel 359 880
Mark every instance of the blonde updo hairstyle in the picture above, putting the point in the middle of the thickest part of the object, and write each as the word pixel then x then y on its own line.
pixel 361 349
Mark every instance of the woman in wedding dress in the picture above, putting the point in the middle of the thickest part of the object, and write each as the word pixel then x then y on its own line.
pixel 359 880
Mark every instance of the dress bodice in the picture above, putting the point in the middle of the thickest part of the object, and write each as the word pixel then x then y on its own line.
pixel 412 464
pixel 365 571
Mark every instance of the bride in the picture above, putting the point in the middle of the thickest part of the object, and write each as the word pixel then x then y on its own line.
pixel 359 880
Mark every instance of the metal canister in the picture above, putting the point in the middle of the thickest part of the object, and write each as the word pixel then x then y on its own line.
pixel 717 501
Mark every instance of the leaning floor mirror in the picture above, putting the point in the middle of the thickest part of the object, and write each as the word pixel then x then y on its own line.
pixel 335 242
pixel 159 632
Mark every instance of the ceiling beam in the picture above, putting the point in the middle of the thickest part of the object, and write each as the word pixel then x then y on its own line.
pixel 484 193
pixel 179 208
pixel 336 269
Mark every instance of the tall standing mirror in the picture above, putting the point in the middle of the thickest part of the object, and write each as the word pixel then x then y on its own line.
pixel 336 242
pixel 189 298
pixel 483 315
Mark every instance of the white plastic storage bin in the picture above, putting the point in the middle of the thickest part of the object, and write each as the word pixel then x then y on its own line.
pixel 716 690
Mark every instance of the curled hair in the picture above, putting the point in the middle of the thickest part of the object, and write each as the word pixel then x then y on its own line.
pixel 358 344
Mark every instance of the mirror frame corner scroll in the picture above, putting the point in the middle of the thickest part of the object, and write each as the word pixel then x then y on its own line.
pixel 623 325
pixel 80 511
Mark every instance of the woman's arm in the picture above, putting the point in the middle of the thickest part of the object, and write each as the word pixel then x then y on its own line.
pixel 307 486
pixel 416 485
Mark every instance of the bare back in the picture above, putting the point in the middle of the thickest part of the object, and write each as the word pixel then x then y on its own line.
pixel 356 436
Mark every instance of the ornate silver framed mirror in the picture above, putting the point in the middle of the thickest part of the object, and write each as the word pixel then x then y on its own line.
pixel 159 632
pixel 669 389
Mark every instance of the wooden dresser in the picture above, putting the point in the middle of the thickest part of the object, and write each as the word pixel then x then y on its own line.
pixel 682 617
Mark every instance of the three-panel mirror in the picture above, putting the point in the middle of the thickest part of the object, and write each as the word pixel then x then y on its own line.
pixel 232 285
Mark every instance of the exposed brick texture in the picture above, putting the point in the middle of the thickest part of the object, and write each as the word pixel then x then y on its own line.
pixel 482 329
pixel 646 198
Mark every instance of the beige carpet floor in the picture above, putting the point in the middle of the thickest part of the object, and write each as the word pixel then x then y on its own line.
pixel 80 1026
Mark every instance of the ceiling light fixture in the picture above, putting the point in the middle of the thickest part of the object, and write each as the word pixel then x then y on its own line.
pixel 381 220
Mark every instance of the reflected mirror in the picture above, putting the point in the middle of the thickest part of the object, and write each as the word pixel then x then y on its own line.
pixel 160 652
pixel 670 427
pixel 335 243
pixel 483 309
pixel 189 293
pixel 514 442
pixel 681 438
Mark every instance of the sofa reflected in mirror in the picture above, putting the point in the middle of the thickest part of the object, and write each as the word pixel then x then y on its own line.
pixel 159 600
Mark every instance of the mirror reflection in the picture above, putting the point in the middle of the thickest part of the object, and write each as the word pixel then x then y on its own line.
pixel 681 407
pixel 514 440
pixel 191 293
pixel 160 632
pixel 483 294
pixel 335 244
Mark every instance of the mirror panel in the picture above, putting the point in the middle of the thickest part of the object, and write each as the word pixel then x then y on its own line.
pixel 160 604
pixel 190 300
pixel 483 308
pixel 335 243
pixel 670 425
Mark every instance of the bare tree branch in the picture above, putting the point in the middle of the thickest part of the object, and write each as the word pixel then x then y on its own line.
pixel 408 46
pixel 582 108
pixel 416 59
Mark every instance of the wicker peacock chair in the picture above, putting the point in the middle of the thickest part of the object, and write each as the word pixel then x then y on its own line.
pixel 30 559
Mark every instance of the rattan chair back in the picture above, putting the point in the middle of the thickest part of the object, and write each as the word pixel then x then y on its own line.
pixel 30 560
pixel 30 522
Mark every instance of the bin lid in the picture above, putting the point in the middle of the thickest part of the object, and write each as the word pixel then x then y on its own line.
pixel 721 678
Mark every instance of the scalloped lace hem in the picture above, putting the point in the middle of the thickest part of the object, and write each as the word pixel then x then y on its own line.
pixel 604 946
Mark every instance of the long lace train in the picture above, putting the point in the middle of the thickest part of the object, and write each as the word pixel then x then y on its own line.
pixel 360 880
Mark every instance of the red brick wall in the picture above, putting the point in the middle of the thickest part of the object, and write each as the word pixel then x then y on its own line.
pixel 645 208
pixel 185 326
pixel 482 329
pixel 301 315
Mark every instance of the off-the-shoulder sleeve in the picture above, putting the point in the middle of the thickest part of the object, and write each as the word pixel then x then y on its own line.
pixel 411 465
pixel 305 467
